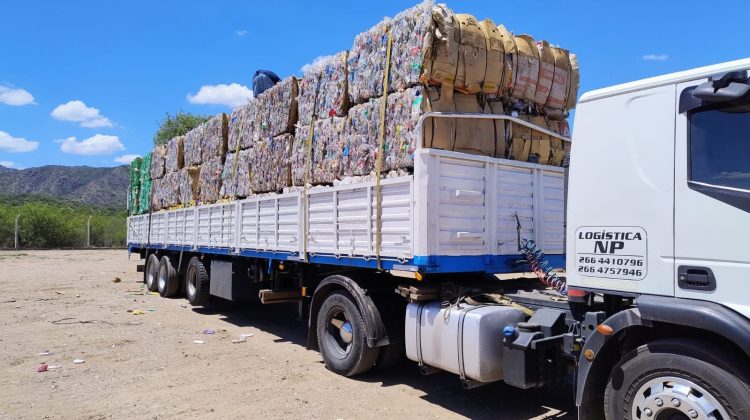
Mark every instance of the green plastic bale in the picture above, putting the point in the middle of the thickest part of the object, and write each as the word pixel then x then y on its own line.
pixel 144 196
pixel 135 172
pixel 146 167
pixel 134 197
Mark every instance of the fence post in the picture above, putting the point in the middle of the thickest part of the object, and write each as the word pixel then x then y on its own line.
pixel 88 233
pixel 16 232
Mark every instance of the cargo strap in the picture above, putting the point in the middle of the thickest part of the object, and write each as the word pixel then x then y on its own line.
pixel 308 163
pixel 381 141
pixel 236 162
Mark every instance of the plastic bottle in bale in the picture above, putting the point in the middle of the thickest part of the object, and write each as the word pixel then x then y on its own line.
pixel 192 146
pixel 215 138
pixel 133 200
pixel 281 101
pixel 144 196
pixel 402 114
pixel 366 63
pixel 189 185
pixel 411 36
pixel 135 172
pixel 158 161
pixel 324 88
pixel 175 158
pixel 241 127
pixel 271 164
pixel 210 180
pixel 361 138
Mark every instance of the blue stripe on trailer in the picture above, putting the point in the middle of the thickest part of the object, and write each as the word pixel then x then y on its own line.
pixel 495 264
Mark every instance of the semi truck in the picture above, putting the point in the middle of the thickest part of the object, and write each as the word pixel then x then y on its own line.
pixel 637 240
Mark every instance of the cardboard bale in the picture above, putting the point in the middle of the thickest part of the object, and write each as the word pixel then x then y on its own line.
pixel 558 95
pixel 175 158
pixel 546 73
pixel 510 65
pixel 520 144
pixel 158 161
pixel 281 103
pixel 473 136
pixel 495 106
pixel 189 185
pixel 210 180
pixel 439 133
pixel 527 69
pixel 323 89
pixel 540 146
pixel 192 146
pixel 472 55
pixel 214 138
pixel 557 154
pixel 494 72
pixel 271 164
pixel 441 54
pixel 573 82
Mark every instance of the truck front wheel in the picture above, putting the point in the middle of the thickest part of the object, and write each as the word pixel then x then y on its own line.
pixel 676 379
pixel 341 336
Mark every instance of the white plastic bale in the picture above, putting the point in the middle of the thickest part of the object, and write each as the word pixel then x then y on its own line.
pixel 281 101
pixel 402 114
pixel 210 180
pixel 324 89
pixel 271 164
pixel 326 155
pixel 299 155
pixel 192 146
pixel 158 161
pixel 366 63
pixel 241 126
pixel 175 158
pixel 214 138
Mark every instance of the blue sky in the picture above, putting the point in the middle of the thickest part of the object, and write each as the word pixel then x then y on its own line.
pixel 86 82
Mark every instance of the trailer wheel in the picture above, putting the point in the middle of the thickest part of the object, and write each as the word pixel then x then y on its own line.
pixel 152 272
pixel 167 283
pixel 196 283
pixel 341 336
pixel 677 379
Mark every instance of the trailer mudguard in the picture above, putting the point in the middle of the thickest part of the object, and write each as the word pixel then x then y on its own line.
pixel 703 315
pixel 377 334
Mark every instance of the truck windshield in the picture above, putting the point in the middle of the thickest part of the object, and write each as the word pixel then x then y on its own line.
pixel 720 146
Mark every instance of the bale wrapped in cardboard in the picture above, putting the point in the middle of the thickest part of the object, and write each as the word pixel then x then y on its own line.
pixel 271 164
pixel 472 55
pixel 441 54
pixel 281 103
pixel 411 35
pixel 558 95
pixel 214 137
pixel 557 154
pixel 473 136
pixel 158 156
pixel 323 89
pixel 189 185
pixel 527 69
pixel 497 66
pixel 546 75
pixel 520 143
pixel 510 64
pixel 210 180
pixel 241 127
pixel 540 145
pixel 573 82
pixel 439 133
pixel 192 146
pixel 175 158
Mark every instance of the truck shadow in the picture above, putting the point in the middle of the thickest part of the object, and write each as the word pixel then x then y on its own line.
pixel 493 401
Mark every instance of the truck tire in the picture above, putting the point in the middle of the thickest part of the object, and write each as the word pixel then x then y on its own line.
pixel 196 283
pixel 678 379
pixel 151 273
pixel 168 282
pixel 342 339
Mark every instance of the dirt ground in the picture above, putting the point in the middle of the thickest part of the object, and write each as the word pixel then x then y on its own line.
pixel 148 366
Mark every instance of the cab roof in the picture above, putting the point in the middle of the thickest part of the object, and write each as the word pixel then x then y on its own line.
pixel 667 79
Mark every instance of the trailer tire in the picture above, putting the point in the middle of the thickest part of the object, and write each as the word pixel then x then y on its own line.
pixel 151 274
pixel 197 283
pixel 168 280
pixel 342 337
pixel 651 382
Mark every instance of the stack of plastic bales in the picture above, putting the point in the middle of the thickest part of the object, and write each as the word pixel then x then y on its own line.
pixel 144 197
pixel 135 185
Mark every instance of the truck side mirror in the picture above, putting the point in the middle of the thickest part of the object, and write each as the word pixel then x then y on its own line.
pixel 727 87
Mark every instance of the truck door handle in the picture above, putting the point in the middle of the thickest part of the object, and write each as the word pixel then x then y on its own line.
pixel 695 278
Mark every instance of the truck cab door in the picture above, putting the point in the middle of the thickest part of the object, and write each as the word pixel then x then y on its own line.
pixel 712 195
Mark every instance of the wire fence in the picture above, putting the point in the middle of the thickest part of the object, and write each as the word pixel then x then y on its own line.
pixel 44 230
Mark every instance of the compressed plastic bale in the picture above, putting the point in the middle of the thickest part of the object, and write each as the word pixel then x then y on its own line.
pixel 235 176
pixel 573 82
pixel 241 124
pixel 172 193
pixel 135 172
pixel 439 133
pixel 229 176
pixel 189 185
pixel 326 158
pixel 472 55
pixel 133 200
pixel 361 139
pixel 175 158
pixel 558 95
pixel 546 73
pixel 540 146
pixel 192 146
pixel 157 187
pixel 402 114
pixel 210 180
pixel 472 135
pixel 410 37
pixel 441 54
pixel 496 64
pixel 158 161
pixel 214 137
pixel 323 89
pixel 271 164
pixel 281 101
pixel 527 69
pixel 144 196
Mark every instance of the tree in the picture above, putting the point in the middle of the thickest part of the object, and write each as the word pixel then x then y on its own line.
pixel 177 125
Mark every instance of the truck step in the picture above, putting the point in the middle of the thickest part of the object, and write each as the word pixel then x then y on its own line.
pixel 268 296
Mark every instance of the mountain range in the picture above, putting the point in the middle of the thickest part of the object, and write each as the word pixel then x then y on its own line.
pixel 102 187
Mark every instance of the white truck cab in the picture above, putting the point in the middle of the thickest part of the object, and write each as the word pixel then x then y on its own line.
pixel 658 211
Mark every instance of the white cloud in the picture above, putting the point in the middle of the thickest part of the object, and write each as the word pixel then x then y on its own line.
pixel 77 111
pixel 240 32
pixel 316 63
pixel 8 164
pixel 230 95
pixel 125 159
pixel 655 57
pixel 16 144
pixel 98 144
pixel 15 97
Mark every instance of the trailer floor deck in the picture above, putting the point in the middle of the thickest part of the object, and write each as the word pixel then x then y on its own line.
pixel 147 366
